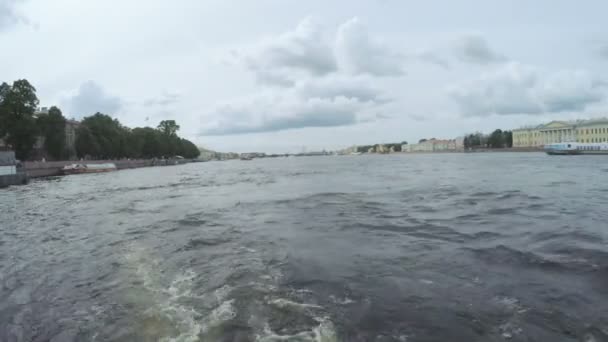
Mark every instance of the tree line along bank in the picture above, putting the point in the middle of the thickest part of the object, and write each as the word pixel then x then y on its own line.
pixel 31 133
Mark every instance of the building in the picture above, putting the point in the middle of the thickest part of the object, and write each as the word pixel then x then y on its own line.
pixel 42 110
pixel 434 145
pixel 583 131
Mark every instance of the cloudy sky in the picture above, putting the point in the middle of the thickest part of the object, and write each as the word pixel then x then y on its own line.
pixel 287 75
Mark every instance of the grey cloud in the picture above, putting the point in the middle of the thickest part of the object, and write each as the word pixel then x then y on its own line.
pixel 269 116
pixel 433 58
pixel 519 89
pixel 274 78
pixel 340 86
pixel 602 50
pixel 302 49
pixel 358 53
pixel 164 100
pixel 91 98
pixel 475 50
pixel 9 16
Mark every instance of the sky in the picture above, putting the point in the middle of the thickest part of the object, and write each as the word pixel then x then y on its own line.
pixel 286 76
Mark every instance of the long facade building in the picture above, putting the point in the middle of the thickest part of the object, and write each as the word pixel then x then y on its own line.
pixel 583 131
pixel 435 145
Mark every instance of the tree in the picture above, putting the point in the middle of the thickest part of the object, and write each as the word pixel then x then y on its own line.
pixel 86 144
pixel 422 140
pixel 149 142
pixel 105 137
pixel 18 104
pixel 508 138
pixel 474 140
pixel 52 127
pixel 4 114
pixel 168 127
pixel 496 139
pixel 188 149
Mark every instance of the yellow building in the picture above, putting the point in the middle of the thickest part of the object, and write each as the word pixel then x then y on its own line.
pixel 593 131
pixel 584 131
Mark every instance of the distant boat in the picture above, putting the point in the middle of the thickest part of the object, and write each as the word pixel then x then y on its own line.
pixel 88 168
pixel 577 148
pixel 246 158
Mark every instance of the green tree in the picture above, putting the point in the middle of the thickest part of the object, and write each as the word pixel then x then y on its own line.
pixel 105 137
pixel 188 149
pixel 496 139
pixel 52 127
pixel 148 141
pixel 86 144
pixel 508 138
pixel 5 90
pixel 168 127
pixel 18 104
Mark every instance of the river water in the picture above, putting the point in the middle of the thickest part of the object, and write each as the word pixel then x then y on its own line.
pixel 454 247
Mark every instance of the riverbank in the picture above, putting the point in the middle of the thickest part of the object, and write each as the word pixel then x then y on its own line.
pixel 475 150
pixel 37 169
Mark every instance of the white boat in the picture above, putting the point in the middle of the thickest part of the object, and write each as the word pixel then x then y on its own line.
pixel 572 148
pixel 88 168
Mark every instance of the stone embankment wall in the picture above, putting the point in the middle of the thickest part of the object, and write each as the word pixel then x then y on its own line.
pixel 8 180
pixel 46 169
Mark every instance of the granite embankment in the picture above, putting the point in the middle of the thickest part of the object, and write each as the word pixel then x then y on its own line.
pixel 36 169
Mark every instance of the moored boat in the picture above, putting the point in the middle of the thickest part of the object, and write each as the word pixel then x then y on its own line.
pixel 572 148
pixel 88 168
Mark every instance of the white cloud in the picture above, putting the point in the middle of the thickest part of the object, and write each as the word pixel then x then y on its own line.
pixel 91 98
pixel 271 113
pixel 358 53
pixel 8 14
pixel 165 99
pixel 475 50
pixel 305 86
pixel 303 49
pixel 519 89
pixel 433 57
pixel 333 86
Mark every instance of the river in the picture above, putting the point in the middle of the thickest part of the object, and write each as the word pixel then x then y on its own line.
pixel 443 247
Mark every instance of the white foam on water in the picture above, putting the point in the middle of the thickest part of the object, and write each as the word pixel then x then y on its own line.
pixel 181 286
pixel 222 292
pixel 282 303
pixel 168 303
pixel 224 312
pixel 324 332
pixel 511 304
pixel 341 301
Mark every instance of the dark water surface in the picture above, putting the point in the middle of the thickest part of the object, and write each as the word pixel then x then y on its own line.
pixel 476 247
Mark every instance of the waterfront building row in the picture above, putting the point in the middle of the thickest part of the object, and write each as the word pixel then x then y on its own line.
pixel 435 145
pixel 582 131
